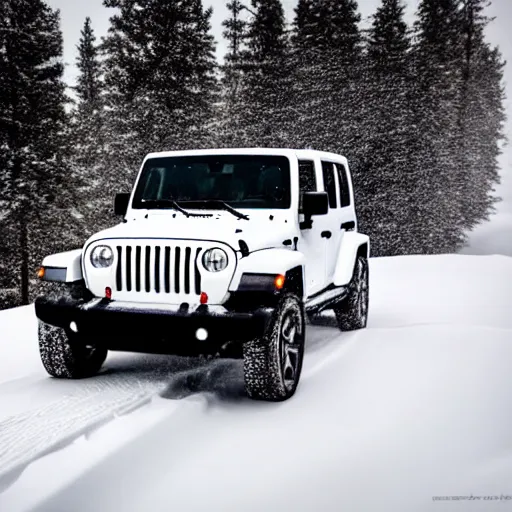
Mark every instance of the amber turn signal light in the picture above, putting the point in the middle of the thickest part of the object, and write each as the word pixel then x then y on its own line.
pixel 40 273
pixel 279 282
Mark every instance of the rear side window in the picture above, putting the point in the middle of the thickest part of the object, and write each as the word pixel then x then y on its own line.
pixel 330 183
pixel 344 188
pixel 307 179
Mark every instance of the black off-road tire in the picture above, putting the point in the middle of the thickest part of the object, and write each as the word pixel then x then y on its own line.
pixel 66 356
pixel 352 313
pixel 273 363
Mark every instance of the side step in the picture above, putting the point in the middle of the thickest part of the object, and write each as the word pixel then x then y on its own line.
pixel 325 299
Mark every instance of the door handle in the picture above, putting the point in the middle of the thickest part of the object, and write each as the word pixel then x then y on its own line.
pixel 348 225
pixel 326 234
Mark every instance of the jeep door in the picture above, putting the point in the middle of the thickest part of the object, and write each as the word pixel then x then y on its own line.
pixel 311 243
pixel 335 235
pixel 341 211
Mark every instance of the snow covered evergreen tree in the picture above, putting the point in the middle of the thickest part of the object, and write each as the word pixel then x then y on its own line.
pixel 88 88
pixel 481 114
pixel 33 181
pixel 303 25
pixel 388 181
pixel 266 77
pixel 89 137
pixel 329 75
pixel 231 115
pixel 160 79
pixel 438 219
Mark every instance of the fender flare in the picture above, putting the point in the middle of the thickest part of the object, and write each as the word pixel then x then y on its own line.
pixel 275 261
pixel 64 267
pixel 353 245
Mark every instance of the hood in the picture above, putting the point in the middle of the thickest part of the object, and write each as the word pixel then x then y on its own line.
pixel 259 232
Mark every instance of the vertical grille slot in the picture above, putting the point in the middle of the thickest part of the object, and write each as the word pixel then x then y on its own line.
pixel 147 274
pixel 129 268
pixel 119 270
pixel 157 269
pixel 197 274
pixel 188 251
pixel 167 271
pixel 137 268
pixel 177 270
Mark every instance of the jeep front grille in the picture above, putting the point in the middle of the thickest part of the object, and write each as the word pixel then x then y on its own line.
pixel 160 269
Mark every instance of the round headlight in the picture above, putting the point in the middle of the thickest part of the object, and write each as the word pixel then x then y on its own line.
pixel 215 260
pixel 102 256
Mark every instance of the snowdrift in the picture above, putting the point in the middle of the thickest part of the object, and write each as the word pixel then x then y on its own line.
pixel 412 411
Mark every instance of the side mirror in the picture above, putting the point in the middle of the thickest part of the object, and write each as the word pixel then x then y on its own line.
pixel 313 203
pixel 121 204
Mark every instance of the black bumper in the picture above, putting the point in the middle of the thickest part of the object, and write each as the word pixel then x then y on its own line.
pixel 154 329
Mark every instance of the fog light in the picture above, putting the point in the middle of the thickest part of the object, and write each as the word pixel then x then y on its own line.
pixel 73 326
pixel 202 334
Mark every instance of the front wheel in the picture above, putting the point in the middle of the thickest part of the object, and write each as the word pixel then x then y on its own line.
pixel 352 313
pixel 68 357
pixel 273 363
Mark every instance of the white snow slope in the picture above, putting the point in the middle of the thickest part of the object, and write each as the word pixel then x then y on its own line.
pixel 414 408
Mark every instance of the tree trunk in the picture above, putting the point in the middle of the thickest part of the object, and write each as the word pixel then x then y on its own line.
pixel 24 267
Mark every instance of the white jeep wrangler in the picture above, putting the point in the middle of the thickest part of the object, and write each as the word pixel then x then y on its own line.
pixel 220 252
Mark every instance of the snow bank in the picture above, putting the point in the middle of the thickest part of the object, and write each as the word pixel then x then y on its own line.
pixel 411 409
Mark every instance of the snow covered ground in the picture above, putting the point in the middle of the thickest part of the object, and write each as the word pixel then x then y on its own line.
pixel 416 406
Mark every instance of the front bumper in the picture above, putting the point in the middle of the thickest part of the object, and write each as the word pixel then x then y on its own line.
pixel 154 328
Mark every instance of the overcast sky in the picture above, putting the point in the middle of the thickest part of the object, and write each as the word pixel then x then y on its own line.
pixel 74 12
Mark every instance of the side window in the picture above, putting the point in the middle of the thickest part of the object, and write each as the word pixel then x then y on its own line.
pixel 307 179
pixel 345 192
pixel 330 183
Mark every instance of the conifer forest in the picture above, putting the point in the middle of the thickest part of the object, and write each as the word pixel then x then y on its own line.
pixel 418 110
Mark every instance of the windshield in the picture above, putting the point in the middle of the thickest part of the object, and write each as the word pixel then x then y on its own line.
pixel 240 181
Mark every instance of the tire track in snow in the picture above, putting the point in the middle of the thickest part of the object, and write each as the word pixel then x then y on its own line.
pixel 33 434
pixel 128 384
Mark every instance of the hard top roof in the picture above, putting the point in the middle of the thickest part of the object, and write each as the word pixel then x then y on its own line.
pixel 298 153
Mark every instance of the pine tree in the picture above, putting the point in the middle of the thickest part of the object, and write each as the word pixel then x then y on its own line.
pixel 235 30
pixel 481 115
pixel 304 33
pixel 160 75
pixel 88 88
pixel 340 34
pixel 88 139
pixel 231 116
pixel 386 192
pixel 388 42
pixel 328 62
pixel 266 77
pixel 32 120
pixel 439 219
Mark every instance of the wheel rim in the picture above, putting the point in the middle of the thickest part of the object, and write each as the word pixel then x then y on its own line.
pixel 362 293
pixel 290 338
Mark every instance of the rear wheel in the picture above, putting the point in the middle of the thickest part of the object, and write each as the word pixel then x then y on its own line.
pixel 273 363
pixel 66 355
pixel 352 313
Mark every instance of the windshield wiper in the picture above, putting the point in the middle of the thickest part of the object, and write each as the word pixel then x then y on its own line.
pixel 163 203
pixel 216 204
